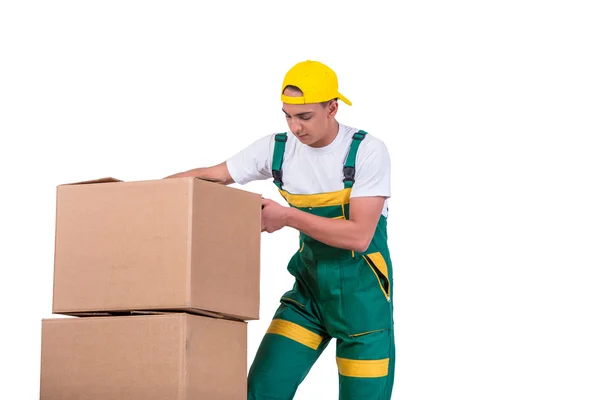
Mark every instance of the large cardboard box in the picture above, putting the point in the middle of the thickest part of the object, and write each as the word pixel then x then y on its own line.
pixel 172 244
pixel 175 356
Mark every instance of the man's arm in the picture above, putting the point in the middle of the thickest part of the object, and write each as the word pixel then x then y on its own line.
pixel 249 164
pixel 217 173
pixel 355 233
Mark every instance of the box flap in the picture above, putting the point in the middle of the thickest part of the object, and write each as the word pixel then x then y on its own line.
pixel 99 180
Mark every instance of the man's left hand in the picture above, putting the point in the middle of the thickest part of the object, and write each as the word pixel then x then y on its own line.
pixel 273 216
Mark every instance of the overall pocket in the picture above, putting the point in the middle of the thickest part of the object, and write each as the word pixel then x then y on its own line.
pixel 365 298
pixel 380 269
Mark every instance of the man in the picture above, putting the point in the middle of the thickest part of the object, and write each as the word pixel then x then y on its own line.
pixel 336 180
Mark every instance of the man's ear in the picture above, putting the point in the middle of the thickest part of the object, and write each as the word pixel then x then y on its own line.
pixel 332 108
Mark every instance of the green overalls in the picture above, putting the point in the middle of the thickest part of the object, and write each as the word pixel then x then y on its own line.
pixel 338 294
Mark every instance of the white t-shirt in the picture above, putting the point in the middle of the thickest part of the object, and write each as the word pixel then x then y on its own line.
pixel 309 170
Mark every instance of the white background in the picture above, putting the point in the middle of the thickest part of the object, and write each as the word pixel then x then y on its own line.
pixel 490 111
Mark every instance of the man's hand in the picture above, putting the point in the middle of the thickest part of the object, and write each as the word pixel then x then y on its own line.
pixel 217 173
pixel 274 216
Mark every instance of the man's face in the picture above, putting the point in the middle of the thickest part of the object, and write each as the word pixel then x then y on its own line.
pixel 308 122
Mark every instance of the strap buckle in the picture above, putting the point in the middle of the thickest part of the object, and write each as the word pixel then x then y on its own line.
pixel 277 176
pixel 349 174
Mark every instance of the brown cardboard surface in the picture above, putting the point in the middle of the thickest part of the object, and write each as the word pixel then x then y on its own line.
pixel 147 357
pixel 171 244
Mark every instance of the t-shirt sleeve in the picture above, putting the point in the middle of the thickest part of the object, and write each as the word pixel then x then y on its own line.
pixel 253 162
pixel 373 170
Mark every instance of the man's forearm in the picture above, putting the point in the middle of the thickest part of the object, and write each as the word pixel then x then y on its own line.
pixel 340 233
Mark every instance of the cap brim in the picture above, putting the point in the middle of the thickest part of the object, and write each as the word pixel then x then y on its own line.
pixel 344 99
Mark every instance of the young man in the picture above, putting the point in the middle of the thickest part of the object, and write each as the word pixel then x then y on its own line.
pixel 336 180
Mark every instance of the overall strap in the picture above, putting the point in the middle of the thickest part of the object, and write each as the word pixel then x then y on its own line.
pixel 349 165
pixel 280 140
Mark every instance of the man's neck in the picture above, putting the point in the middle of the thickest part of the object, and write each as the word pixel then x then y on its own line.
pixel 330 136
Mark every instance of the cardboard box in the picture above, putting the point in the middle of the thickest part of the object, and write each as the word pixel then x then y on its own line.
pixel 143 357
pixel 172 244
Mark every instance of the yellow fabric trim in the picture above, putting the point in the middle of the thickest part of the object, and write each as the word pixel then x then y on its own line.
pixel 377 260
pixel 363 368
pixel 295 332
pixel 338 198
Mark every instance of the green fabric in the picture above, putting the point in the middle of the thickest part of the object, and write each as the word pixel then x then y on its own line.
pixel 337 295
pixel 335 299
pixel 280 140
pixel 318 249
pixel 351 157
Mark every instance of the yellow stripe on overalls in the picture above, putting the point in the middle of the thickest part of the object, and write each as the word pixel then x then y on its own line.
pixel 295 332
pixel 363 368
pixel 338 198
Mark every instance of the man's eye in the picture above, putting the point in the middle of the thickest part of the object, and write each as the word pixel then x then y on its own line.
pixel 305 118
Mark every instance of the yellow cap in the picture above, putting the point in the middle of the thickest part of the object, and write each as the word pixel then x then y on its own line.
pixel 317 81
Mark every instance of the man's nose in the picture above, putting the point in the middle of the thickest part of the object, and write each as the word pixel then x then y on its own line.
pixel 296 127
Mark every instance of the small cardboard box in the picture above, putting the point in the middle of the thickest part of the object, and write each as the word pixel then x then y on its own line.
pixel 180 244
pixel 175 356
